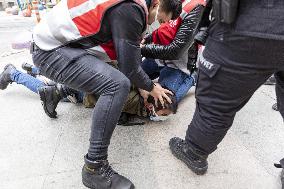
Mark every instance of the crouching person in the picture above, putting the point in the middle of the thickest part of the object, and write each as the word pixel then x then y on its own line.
pixel 116 26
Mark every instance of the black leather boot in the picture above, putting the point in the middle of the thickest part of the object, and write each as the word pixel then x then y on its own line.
pixel 29 68
pixel 5 76
pixel 100 175
pixel 196 161
pixel 50 97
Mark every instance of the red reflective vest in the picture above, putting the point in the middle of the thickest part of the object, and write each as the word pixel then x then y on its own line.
pixel 71 20
pixel 165 34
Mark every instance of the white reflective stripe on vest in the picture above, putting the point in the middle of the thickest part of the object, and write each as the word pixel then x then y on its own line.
pixel 85 7
pixel 62 24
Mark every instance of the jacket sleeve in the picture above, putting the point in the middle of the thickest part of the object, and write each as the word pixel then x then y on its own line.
pixel 183 39
pixel 126 34
pixel 148 39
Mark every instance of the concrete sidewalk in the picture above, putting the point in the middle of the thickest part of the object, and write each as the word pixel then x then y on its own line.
pixel 40 153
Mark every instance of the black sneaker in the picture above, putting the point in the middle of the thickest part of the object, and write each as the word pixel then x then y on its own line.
pixel 29 68
pixel 50 97
pixel 100 175
pixel 194 160
pixel 5 76
pixel 275 107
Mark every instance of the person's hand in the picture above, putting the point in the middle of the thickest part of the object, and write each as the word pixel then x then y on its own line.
pixel 145 95
pixel 142 44
pixel 159 93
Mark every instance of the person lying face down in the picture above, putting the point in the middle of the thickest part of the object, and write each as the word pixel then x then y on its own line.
pixel 135 105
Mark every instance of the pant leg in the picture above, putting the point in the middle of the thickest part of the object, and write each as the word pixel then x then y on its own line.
pixel 151 68
pixel 83 72
pixel 176 81
pixel 27 80
pixel 185 86
pixel 35 70
pixel 279 76
pixel 226 83
pixel 218 99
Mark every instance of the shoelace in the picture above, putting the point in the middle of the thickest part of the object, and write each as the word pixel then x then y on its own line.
pixel 196 157
pixel 109 172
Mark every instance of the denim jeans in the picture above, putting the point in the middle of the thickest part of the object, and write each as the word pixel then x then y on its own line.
pixel 173 79
pixel 27 80
pixel 79 70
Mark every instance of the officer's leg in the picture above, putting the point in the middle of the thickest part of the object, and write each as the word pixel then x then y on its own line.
pixel 221 91
pixel 86 73
pixel 279 76
pixel 220 94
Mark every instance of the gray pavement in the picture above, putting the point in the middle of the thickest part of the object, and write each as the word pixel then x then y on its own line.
pixel 41 153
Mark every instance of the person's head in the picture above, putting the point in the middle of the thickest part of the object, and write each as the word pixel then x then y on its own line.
pixel 163 10
pixel 168 108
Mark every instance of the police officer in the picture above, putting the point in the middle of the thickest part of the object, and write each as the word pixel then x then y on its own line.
pixel 239 56
pixel 116 27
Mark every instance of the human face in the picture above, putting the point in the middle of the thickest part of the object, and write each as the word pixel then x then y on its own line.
pixel 164 17
pixel 157 14
pixel 164 112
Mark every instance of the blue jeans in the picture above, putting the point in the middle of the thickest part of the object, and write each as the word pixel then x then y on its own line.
pixel 27 80
pixel 173 79
pixel 34 84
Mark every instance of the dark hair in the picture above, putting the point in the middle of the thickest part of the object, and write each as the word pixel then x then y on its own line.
pixel 174 6
pixel 173 106
pixel 148 3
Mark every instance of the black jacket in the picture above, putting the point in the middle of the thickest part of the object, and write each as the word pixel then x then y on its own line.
pixel 126 33
pixel 180 44
pixel 260 18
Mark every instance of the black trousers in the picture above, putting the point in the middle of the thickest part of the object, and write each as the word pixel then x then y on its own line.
pixel 233 67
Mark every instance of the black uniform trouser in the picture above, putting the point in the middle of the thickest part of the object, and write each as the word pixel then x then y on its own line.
pixel 232 69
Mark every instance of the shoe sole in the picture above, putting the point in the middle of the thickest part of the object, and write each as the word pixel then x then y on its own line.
pixel 41 92
pixel 3 88
pixel 196 170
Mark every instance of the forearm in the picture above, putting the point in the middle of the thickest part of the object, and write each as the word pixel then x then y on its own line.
pixel 127 45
